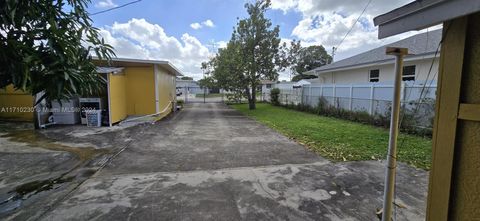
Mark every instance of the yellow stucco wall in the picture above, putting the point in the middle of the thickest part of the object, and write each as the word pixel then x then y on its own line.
pixel 454 190
pixel 131 93
pixel 15 104
pixel 465 189
pixel 140 90
pixel 166 90
pixel 118 99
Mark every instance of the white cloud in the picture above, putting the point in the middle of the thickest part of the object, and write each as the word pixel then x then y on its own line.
pixel 207 23
pixel 326 22
pixel 105 4
pixel 221 44
pixel 140 39
pixel 284 5
pixel 196 25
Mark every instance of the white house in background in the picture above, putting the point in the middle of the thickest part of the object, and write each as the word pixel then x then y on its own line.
pixel 284 85
pixel 190 86
pixel 376 66
pixel 300 83
pixel 304 82
pixel 289 85
pixel 266 85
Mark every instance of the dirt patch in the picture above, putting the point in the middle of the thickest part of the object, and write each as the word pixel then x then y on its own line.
pixel 35 139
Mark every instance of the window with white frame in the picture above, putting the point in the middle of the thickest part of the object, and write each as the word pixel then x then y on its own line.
pixel 408 73
pixel 374 75
pixel 268 86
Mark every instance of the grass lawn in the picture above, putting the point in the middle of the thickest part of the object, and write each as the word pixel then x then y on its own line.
pixel 208 95
pixel 338 139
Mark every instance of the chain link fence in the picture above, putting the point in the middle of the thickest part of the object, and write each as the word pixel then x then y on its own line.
pixel 196 94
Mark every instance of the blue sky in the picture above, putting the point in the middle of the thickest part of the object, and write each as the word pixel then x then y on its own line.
pixel 176 16
pixel 187 32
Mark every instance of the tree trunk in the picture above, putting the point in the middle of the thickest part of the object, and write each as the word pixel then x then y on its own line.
pixel 251 105
pixel 36 119
pixel 252 101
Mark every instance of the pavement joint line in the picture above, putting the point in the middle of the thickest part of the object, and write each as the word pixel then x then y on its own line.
pixel 93 176
pixel 317 163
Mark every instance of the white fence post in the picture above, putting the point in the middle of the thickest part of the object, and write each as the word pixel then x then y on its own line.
pixel 372 93
pixel 350 105
pixel 335 95
pixel 310 96
pixel 301 100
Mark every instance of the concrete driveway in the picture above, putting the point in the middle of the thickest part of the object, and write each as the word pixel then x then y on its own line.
pixel 209 162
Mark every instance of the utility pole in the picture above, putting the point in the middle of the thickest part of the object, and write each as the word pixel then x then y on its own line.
pixel 334 49
pixel 391 164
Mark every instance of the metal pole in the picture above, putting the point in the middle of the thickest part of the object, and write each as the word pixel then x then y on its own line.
pixel 185 90
pixel 392 143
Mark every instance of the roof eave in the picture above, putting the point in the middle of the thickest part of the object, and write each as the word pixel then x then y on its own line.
pixel 380 62
pixel 173 69
pixel 422 14
pixel 166 64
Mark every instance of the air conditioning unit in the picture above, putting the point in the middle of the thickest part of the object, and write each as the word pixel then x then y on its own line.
pixel 66 112
pixel 89 104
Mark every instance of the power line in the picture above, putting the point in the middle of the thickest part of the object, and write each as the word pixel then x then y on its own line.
pixel 117 7
pixel 351 28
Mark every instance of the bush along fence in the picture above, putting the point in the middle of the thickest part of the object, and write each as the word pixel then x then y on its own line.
pixel 366 103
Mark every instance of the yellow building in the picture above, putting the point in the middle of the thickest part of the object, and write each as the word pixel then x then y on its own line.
pixel 15 105
pixel 133 88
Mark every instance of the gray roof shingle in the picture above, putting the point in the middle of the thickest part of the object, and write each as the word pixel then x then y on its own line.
pixel 420 44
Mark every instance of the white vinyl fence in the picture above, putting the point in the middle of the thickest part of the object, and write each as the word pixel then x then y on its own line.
pixel 374 98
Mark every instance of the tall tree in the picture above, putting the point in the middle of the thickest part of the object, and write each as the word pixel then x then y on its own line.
pixel 46 46
pixel 302 59
pixel 228 70
pixel 207 82
pixel 251 55
pixel 312 57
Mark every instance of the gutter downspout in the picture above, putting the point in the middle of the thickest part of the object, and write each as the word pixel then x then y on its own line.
pixel 391 164
pixel 157 100
pixel 109 101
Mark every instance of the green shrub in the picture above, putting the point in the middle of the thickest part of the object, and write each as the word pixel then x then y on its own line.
pixel 274 96
pixel 233 98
